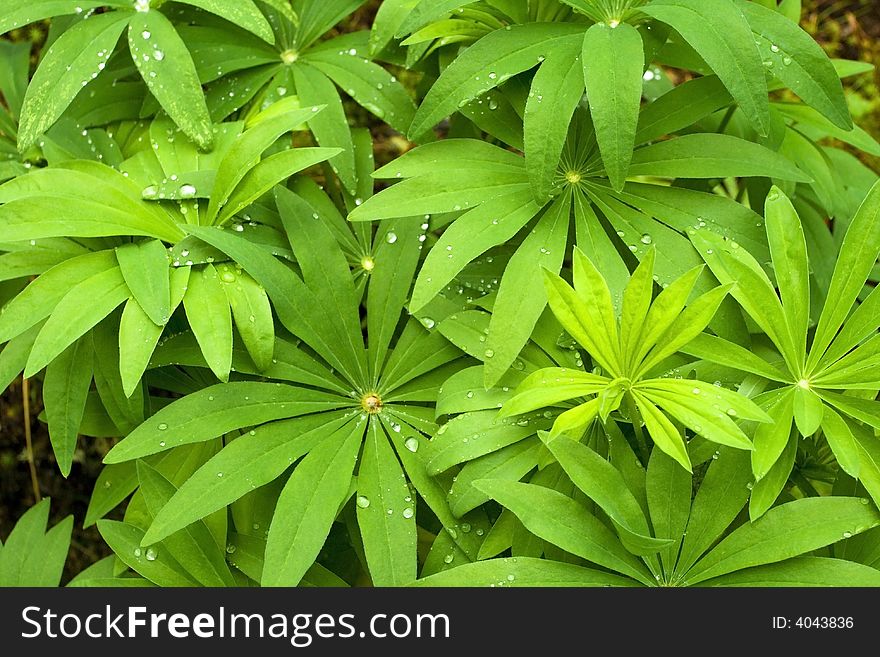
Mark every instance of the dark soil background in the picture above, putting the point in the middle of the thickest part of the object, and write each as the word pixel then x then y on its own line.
pixel 848 29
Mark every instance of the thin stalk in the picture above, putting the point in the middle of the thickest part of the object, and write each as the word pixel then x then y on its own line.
pixel 636 418
pixel 26 408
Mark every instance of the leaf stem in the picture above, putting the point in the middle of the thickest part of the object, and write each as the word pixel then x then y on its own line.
pixel 26 409
pixel 636 418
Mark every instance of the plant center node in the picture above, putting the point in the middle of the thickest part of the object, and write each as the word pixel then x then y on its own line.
pixel 371 403
pixel 289 56
pixel 803 383
pixel 368 263
pixel 573 177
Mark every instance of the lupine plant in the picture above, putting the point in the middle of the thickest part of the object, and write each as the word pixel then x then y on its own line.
pixel 617 286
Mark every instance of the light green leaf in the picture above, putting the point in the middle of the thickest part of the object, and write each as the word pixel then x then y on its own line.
pixel 86 304
pixel 144 266
pixel 664 434
pixel 771 438
pixel 207 310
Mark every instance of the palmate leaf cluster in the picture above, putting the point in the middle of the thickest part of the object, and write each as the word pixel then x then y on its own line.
pixel 611 321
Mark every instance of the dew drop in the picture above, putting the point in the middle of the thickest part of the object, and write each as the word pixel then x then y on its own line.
pixel 412 444
pixel 391 238
pixel 151 554
pixel 363 501
pixel 162 426
pixel 407 513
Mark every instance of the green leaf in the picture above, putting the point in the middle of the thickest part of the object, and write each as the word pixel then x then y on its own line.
pixel 858 255
pixel 637 297
pixel 394 265
pixel 138 335
pixel 563 522
pixel 719 32
pixel 767 490
pixel 579 312
pixel 664 434
pixel 842 442
pixel 721 496
pixel 246 149
pixel 329 126
pixel 66 68
pixel 317 17
pixel 86 304
pixel 244 14
pixel 253 460
pixel 786 531
pixel 159 567
pixel 472 234
pixel 216 410
pixel 193 547
pixel 549 386
pixel 555 93
pixel 613 62
pixel 32 556
pixel 522 571
pixel 325 272
pixel 370 85
pixel 771 438
pixel 714 424
pixel 802 571
pixel 252 313
pixel 166 66
pixel 385 513
pixel 144 266
pixel 65 389
pixel 521 296
pixel 798 62
pixel 788 248
pixel 207 310
pixel 273 170
pixel 492 60
pixel 681 108
pixel 604 484
pixel 808 411
pixel 18 13
pixel 718 350
pixel 308 506
pixel 668 490
pixel 688 325
pixel 709 155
